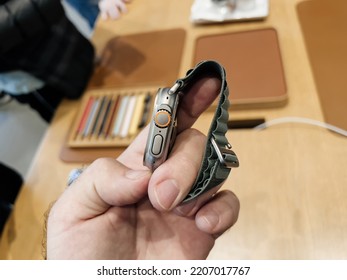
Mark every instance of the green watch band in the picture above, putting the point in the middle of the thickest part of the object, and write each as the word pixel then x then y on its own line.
pixel 218 157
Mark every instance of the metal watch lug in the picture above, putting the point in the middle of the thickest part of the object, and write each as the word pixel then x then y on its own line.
pixel 174 88
pixel 226 156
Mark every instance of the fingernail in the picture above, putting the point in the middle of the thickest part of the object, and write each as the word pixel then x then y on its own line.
pixel 136 174
pixel 166 193
pixel 208 222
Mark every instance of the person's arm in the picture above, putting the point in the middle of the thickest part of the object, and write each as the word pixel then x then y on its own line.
pixel 23 19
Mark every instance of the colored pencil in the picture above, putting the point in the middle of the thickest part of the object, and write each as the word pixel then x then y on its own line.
pixel 128 116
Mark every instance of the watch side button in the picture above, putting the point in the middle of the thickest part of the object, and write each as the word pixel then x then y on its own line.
pixel 157 144
pixel 162 118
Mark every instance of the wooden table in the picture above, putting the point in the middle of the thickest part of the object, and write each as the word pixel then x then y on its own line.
pixel 292 179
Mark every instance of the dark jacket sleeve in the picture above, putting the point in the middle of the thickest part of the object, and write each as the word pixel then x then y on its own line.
pixel 20 20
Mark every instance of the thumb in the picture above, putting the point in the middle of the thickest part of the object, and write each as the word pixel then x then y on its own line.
pixel 105 183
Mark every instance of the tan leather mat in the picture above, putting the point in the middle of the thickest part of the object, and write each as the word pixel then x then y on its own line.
pixel 151 58
pixel 87 155
pixel 324 27
pixel 253 63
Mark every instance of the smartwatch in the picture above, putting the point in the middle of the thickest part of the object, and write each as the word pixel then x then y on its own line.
pixel 218 157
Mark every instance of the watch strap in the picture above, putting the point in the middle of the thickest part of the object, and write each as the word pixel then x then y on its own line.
pixel 218 158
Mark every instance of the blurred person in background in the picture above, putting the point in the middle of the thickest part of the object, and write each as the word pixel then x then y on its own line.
pixel 43 57
pixel 90 9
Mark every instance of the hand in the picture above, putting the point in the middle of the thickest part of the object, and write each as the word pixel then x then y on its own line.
pixel 117 209
pixel 112 9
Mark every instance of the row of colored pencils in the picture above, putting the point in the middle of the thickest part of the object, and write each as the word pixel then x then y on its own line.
pixel 113 116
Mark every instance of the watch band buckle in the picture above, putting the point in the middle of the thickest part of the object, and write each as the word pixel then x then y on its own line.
pixel 226 156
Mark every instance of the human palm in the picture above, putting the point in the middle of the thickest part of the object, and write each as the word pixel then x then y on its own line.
pixel 137 232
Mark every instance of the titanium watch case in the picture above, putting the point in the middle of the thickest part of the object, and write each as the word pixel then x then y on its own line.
pixel 162 131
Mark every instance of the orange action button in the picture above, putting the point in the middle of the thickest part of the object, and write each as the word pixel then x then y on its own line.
pixel 162 119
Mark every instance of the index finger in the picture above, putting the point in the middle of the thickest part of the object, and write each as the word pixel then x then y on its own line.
pixel 196 100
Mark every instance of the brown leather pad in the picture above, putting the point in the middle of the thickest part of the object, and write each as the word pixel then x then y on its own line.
pixel 253 63
pixel 142 59
pixel 87 155
pixel 324 27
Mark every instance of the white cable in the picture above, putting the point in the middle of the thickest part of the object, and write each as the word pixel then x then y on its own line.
pixel 301 120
